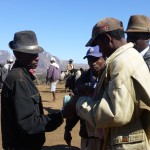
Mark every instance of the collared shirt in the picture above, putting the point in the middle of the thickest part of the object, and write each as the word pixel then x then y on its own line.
pixel 143 52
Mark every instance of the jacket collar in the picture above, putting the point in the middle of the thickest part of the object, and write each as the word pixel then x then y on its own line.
pixel 119 51
pixel 17 64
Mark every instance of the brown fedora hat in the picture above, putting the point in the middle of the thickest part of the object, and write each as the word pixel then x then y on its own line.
pixel 138 23
pixel 25 42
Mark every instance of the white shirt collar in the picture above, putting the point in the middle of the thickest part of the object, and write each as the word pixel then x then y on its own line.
pixel 143 52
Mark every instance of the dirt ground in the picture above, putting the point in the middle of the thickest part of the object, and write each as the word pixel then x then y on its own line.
pixel 54 140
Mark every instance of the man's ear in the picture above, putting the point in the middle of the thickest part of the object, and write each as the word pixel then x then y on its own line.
pixel 108 36
pixel 109 40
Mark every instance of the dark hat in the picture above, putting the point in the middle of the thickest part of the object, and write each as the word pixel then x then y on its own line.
pixel 70 60
pixel 93 51
pixel 25 42
pixel 103 26
pixel 138 23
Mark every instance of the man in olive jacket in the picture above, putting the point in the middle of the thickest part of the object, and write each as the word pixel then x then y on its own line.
pixel 126 80
pixel 23 121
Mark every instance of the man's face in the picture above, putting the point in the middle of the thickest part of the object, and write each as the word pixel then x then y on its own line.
pixel 103 43
pixel 140 40
pixel 29 60
pixel 96 64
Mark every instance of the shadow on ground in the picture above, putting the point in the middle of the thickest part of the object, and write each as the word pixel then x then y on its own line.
pixel 60 147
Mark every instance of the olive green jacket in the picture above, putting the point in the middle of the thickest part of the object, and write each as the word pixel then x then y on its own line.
pixel 118 110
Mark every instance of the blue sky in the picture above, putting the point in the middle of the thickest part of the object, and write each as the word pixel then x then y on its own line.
pixel 63 27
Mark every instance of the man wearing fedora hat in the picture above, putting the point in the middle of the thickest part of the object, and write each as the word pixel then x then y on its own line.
pixel 138 32
pixel 23 121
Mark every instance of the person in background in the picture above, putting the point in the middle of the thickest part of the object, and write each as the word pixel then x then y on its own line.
pixel 9 64
pixel 138 32
pixel 70 66
pixel 53 76
pixel 96 63
pixel 5 69
pixel 3 74
pixel 122 93
pixel 23 122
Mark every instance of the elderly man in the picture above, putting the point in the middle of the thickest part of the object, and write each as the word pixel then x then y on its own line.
pixel 123 91
pixel 23 121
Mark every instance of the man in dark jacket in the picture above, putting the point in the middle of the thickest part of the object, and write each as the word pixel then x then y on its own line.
pixel 23 121
pixel 138 32
pixel 88 79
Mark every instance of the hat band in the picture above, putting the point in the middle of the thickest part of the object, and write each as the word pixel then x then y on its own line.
pixel 140 28
pixel 26 47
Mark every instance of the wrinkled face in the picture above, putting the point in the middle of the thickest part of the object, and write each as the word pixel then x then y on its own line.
pixel 96 64
pixel 140 40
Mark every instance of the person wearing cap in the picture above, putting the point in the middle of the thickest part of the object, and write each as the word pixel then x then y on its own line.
pixel 70 66
pixel 138 32
pixel 123 91
pixel 53 76
pixel 88 80
pixel 23 122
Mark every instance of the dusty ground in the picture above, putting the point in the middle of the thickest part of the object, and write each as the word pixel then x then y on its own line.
pixel 54 140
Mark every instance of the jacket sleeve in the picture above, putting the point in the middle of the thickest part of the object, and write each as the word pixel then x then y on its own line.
pixel 116 106
pixel 29 111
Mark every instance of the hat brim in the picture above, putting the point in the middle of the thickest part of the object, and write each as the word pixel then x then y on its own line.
pixel 97 56
pixel 136 30
pixel 91 42
pixel 26 49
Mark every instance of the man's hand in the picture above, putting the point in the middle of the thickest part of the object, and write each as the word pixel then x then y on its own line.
pixel 67 137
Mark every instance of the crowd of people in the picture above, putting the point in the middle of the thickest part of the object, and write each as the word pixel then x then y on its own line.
pixel 111 99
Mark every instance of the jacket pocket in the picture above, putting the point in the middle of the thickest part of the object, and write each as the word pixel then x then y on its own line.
pixel 137 136
pixel 132 141
pixel 36 101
